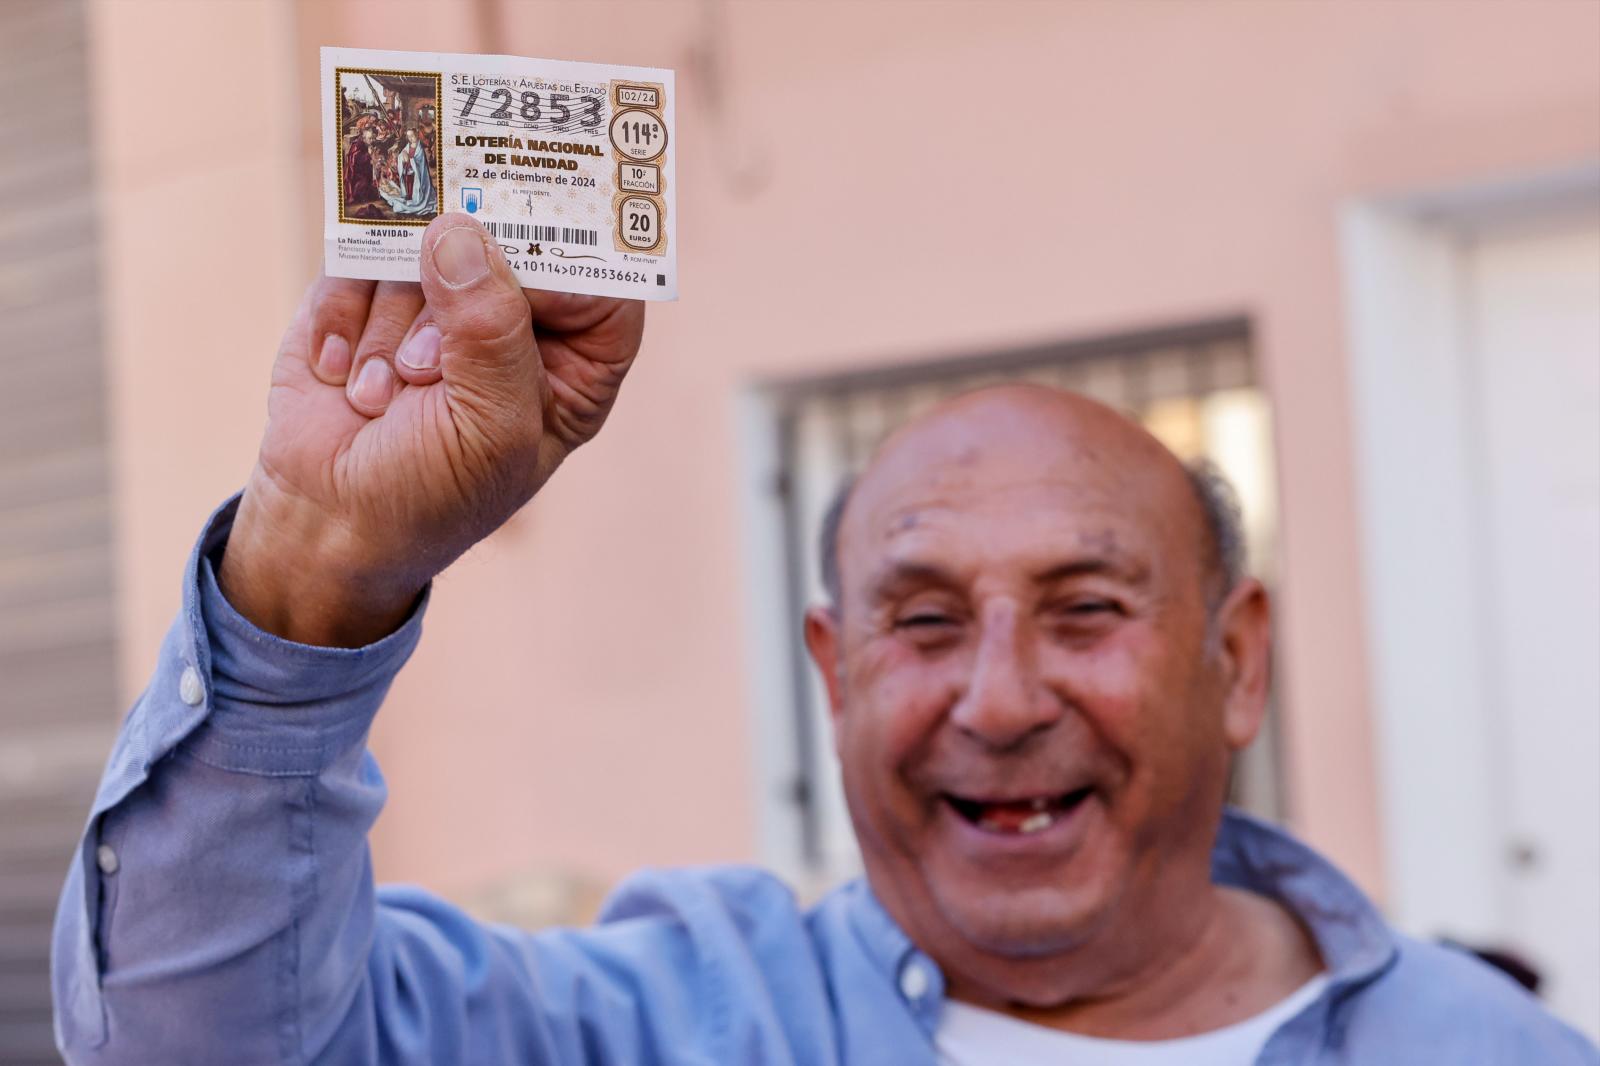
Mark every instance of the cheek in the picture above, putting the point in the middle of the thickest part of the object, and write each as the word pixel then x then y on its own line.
pixel 1109 684
pixel 1136 697
pixel 895 700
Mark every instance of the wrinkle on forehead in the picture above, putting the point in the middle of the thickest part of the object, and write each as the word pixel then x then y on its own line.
pixel 1040 540
pixel 1002 451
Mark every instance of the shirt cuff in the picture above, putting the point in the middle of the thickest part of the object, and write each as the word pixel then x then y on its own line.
pixel 277 706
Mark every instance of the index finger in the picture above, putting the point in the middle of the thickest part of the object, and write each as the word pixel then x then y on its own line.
pixel 603 329
pixel 571 312
pixel 339 309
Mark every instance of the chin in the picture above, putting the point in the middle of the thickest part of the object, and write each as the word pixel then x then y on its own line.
pixel 1021 923
pixel 1024 895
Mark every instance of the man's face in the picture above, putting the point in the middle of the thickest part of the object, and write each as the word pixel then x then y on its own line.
pixel 1028 708
pixel 367 135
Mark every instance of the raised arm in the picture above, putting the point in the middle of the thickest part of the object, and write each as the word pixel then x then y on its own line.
pixel 221 906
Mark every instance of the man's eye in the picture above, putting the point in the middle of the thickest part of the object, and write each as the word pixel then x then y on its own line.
pixel 1080 610
pixel 924 620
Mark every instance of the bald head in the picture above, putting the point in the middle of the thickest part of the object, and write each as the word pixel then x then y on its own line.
pixel 1036 424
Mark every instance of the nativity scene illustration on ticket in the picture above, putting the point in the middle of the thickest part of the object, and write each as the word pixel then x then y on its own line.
pixel 570 167
pixel 389 133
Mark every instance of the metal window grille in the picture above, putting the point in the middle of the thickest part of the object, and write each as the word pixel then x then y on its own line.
pixel 1193 386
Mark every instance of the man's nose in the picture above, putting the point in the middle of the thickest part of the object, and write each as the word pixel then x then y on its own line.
pixel 1004 702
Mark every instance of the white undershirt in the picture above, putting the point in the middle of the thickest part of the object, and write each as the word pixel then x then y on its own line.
pixel 973 1036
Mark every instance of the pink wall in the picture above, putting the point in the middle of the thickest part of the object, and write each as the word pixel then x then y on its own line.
pixel 579 701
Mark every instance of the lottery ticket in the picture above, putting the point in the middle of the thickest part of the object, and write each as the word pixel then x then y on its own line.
pixel 571 167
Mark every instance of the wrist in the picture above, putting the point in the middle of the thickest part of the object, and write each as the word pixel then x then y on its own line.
pixel 298 573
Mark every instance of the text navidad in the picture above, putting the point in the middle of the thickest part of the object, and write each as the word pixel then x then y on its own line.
pixel 552 161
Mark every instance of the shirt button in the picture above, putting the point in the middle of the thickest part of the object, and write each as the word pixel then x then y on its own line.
pixel 106 859
pixel 914 981
pixel 190 690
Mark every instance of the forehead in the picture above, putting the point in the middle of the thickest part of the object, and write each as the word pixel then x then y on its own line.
pixel 1025 481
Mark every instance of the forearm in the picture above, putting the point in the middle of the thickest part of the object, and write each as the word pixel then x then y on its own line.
pixel 221 906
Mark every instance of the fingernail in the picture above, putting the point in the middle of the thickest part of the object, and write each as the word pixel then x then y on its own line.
pixel 421 352
pixel 459 256
pixel 334 360
pixel 373 384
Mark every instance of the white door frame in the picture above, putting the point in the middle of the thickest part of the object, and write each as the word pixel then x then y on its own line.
pixel 1420 491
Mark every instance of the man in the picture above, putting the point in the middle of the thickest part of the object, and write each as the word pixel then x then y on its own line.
pixel 1040 659
pixel 359 186
pixel 428 134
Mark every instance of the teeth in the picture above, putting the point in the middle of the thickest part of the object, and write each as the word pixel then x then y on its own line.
pixel 1034 823
pixel 1037 823
pixel 1040 804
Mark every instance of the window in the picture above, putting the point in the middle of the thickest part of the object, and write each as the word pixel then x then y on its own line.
pixel 1194 387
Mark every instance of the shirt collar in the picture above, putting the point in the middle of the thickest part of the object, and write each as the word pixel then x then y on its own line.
pixel 1357 946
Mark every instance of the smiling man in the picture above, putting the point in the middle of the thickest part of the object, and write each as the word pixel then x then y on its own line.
pixel 1041 657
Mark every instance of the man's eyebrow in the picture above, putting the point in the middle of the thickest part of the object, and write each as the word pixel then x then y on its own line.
pixel 901 574
pixel 1116 566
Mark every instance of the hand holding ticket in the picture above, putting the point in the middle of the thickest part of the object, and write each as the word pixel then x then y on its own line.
pixel 569 166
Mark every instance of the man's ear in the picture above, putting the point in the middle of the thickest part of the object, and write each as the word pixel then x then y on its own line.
pixel 1244 632
pixel 822 641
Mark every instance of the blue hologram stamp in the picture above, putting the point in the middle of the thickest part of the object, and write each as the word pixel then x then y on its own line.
pixel 471 199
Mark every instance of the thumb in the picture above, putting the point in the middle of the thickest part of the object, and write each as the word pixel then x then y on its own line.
pixel 486 330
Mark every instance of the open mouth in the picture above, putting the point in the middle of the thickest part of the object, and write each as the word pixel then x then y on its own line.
pixel 1017 817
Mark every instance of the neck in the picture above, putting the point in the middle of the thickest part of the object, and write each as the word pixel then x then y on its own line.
pixel 1237 956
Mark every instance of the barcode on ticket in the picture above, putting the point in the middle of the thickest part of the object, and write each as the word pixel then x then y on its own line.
pixel 525 231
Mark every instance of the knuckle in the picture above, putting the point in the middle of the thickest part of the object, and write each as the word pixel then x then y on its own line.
pixel 384 349
pixel 339 307
pixel 500 321
pixel 384 330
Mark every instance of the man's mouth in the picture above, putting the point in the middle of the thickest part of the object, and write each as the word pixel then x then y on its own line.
pixel 1017 817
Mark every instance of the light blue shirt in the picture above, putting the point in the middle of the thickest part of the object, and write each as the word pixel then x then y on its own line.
pixel 221 912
